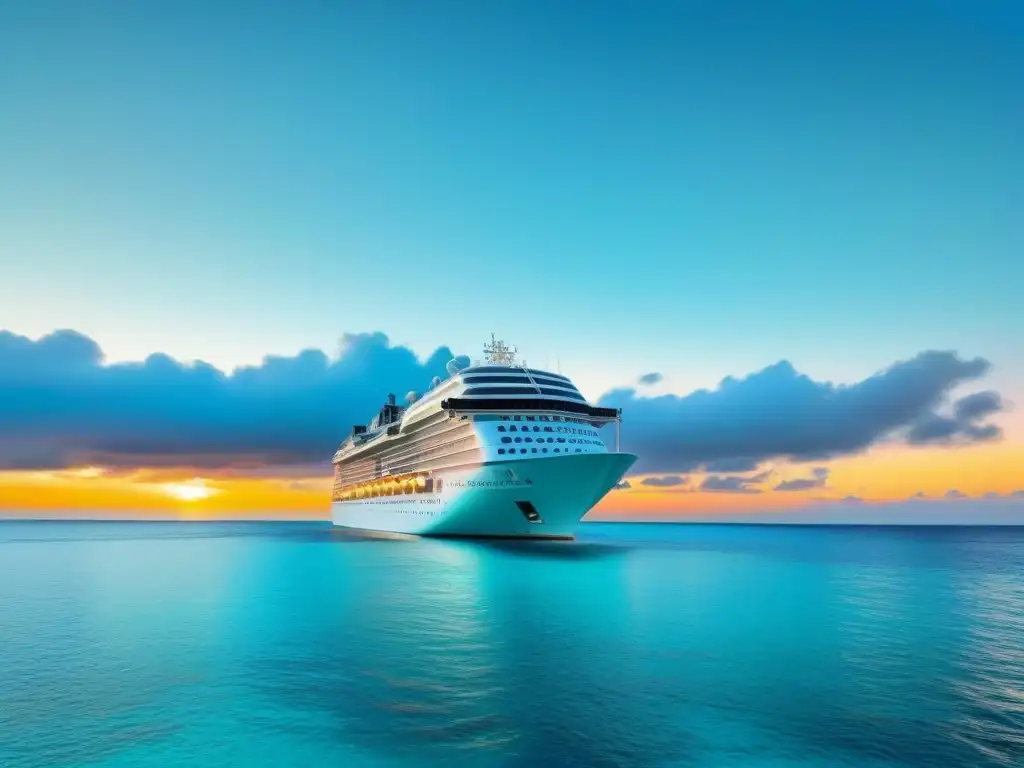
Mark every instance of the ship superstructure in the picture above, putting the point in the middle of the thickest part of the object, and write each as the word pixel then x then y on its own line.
pixel 496 449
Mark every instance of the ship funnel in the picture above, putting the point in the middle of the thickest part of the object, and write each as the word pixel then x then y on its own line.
pixel 435 381
pixel 411 397
pixel 391 399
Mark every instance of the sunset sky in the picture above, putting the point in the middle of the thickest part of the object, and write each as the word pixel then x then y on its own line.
pixel 786 238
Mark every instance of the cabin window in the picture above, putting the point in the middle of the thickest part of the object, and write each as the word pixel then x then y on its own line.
pixel 501 451
pixel 501 429
pixel 506 439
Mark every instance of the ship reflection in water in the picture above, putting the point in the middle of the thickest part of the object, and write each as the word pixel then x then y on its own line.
pixel 268 645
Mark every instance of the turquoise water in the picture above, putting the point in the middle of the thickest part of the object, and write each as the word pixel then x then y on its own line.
pixel 149 644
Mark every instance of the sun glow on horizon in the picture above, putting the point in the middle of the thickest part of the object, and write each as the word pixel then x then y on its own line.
pixel 192 490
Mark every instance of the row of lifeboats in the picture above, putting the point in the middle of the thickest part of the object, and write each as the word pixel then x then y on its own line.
pixel 396 485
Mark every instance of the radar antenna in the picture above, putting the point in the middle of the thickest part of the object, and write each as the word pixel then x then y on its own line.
pixel 496 353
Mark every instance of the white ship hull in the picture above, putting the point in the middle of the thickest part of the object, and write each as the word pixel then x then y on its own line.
pixel 496 499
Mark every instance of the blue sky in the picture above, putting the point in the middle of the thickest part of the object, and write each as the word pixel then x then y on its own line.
pixel 695 188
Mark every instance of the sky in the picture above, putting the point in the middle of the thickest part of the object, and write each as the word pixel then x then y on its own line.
pixel 785 237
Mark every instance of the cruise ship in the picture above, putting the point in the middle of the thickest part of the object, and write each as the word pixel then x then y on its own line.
pixel 497 449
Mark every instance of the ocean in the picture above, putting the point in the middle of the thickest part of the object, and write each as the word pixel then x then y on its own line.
pixel 288 644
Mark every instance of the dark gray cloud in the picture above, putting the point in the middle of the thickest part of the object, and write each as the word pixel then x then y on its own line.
pixel 624 485
pixel 961 425
pixel 60 406
pixel 649 378
pixel 668 481
pixel 953 493
pixel 819 476
pixel 733 483
pixel 779 413
pixel 735 464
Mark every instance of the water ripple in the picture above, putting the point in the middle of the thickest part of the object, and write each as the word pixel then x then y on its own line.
pixel 647 647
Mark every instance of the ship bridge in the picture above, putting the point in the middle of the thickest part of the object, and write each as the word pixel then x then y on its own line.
pixel 502 385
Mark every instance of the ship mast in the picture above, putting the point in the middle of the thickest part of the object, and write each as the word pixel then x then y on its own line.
pixel 497 353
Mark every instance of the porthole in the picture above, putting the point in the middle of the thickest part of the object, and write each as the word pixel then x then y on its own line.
pixel 506 439
pixel 501 451
pixel 519 439
pixel 501 428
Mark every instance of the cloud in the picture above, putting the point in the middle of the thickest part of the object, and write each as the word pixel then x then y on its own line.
pixel 624 485
pixel 733 483
pixel 780 413
pixel 667 481
pixel 961 424
pixel 818 480
pixel 850 499
pixel 649 378
pixel 61 406
pixel 1013 495
pixel 953 493
pixel 734 464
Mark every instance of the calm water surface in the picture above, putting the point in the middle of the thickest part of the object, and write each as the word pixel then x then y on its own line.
pixel 149 644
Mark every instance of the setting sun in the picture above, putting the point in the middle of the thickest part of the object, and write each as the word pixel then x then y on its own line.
pixel 193 490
